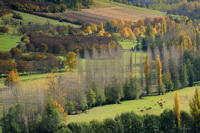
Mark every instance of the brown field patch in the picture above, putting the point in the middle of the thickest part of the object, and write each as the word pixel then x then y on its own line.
pixel 102 15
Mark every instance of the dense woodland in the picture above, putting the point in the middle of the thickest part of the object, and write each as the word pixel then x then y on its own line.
pixel 48 6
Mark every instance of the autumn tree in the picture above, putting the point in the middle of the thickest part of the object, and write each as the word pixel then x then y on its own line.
pixel 159 76
pixel 132 36
pixel 94 28
pixel 124 33
pixel 71 60
pixel 147 73
pixel 88 30
pixel 12 79
pixel 52 117
pixel 195 109
pixel 136 31
pixel 189 43
pixel 176 109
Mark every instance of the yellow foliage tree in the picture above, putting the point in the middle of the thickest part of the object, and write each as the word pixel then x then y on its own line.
pixel 132 36
pixel 94 28
pixel 102 29
pixel 189 43
pixel 101 33
pixel 142 29
pixel 176 109
pixel 71 60
pixel 88 30
pixel 136 31
pixel 147 73
pixel 113 23
pixel 124 33
pixel 54 89
pixel 159 75
pixel 195 42
pixel 12 79
pixel 121 25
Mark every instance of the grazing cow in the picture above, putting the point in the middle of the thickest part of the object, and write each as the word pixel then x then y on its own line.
pixel 150 108
pixel 141 110
pixel 147 109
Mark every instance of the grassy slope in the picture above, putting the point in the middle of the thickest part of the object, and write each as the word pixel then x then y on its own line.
pixel 8 41
pixel 127 44
pixel 108 3
pixel 37 19
pixel 102 112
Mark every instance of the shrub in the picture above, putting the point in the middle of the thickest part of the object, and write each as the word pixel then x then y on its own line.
pixel 167 121
pixel 151 124
pixel 69 107
pixel 17 16
pixel 4 29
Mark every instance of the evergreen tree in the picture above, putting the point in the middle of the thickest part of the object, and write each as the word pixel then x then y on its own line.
pixel 191 75
pixel 176 110
pixel 183 76
pixel 177 83
pixel 147 74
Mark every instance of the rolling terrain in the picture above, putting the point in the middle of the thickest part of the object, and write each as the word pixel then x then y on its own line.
pixel 110 111
pixel 102 15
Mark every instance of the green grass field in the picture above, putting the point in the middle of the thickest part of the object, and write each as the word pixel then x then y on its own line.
pixel 108 3
pixel 37 19
pixel 110 111
pixel 8 41
pixel 127 44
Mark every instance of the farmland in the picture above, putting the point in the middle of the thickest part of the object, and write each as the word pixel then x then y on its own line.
pixel 110 111
pixel 98 15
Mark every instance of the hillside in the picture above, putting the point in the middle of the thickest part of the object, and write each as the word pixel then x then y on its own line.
pixel 110 111
pixel 105 10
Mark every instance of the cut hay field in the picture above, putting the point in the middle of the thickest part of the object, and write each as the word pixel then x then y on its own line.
pixel 110 111
pixel 102 15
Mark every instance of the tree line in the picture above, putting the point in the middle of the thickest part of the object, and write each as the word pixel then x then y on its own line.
pixel 175 120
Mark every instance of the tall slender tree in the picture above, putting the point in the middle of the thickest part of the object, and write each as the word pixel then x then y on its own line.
pixel 176 109
pixel 147 74
pixel 195 109
pixel 159 75
pixel 131 64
